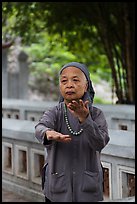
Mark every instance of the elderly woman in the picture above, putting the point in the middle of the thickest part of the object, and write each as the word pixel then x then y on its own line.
pixel 74 132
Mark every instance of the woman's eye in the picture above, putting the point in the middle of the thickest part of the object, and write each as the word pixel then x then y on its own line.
pixel 63 81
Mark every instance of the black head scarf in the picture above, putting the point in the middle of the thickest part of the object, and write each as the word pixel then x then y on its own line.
pixel 89 95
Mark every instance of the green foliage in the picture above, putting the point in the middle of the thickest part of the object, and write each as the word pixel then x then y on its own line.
pixel 47 57
pixel 79 41
pixel 50 54
pixel 98 100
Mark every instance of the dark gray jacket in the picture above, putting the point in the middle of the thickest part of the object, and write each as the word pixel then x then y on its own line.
pixel 73 171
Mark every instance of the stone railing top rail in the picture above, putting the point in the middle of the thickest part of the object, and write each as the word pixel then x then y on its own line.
pixel 121 144
pixel 117 110
pixel 27 104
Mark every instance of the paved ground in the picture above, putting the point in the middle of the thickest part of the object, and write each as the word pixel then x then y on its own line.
pixel 8 196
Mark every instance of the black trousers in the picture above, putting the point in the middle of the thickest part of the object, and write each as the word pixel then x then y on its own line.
pixel 47 200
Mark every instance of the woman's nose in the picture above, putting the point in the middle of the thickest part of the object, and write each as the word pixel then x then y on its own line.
pixel 70 84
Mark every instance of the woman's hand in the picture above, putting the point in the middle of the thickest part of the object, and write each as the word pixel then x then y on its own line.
pixel 53 135
pixel 79 109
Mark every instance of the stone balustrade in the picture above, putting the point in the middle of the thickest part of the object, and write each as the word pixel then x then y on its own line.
pixel 23 157
pixel 121 117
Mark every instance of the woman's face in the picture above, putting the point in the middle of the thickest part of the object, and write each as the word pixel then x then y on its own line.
pixel 73 84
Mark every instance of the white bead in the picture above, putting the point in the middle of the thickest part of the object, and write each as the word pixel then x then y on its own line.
pixel 68 126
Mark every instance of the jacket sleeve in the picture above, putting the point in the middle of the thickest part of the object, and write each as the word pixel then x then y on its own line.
pixel 47 122
pixel 96 130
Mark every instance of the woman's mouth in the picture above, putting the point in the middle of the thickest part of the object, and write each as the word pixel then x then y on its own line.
pixel 70 93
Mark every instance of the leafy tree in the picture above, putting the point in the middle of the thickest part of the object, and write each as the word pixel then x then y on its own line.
pixel 48 55
pixel 110 25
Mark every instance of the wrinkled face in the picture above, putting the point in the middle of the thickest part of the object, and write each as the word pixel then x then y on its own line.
pixel 73 84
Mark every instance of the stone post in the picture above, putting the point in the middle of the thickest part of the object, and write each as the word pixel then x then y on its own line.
pixel 13 85
pixel 4 73
pixel 23 75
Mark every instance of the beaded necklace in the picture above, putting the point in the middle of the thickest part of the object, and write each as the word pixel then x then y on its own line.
pixel 68 125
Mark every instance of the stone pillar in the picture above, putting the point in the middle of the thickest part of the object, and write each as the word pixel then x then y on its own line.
pixel 23 75
pixel 13 85
pixel 4 73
